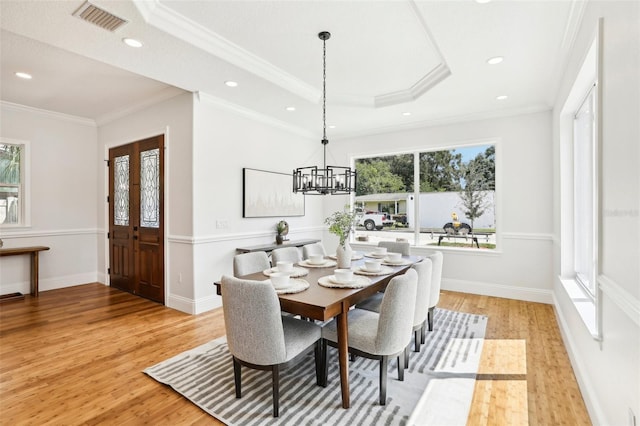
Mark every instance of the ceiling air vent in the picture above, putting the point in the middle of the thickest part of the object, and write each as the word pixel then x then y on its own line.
pixel 91 13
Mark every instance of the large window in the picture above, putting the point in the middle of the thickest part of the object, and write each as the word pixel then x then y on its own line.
pixel 443 197
pixel 584 189
pixel 12 183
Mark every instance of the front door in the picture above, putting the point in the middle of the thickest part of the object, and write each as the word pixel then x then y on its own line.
pixel 136 218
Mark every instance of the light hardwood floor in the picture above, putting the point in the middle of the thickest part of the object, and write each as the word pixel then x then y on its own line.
pixel 75 356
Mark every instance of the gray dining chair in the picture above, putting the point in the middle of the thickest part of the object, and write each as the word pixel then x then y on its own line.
pixel 379 336
pixel 290 254
pixel 437 259
pixel 396 246
pixel 311 249
pixel 259 338
pixel 424 269
pixel 249 263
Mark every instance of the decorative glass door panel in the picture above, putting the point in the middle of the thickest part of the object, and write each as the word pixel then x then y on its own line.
pixel 136 216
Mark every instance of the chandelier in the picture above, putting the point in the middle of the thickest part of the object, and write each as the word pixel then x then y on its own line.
pixel 329 179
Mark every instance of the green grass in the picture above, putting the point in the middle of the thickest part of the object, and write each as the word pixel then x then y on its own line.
pixel 469 244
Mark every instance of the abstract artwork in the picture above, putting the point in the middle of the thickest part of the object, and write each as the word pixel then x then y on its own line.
pixel 269 194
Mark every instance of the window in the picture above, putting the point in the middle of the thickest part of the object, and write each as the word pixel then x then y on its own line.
pixel 455 197
pixel 579 191
pixel 584 188
pixel 12 183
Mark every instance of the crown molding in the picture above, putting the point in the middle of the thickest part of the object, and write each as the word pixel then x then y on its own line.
pixel 163 95
pixel 253 115
pixel 166 19
pixel 443 121
pixel 48 114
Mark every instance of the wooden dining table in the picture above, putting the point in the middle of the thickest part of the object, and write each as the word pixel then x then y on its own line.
pixel 323 303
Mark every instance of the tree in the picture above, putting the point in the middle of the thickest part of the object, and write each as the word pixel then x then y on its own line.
pixel 485 167
pixel 375 177
pixel 440 171
pixel 402 166
pixel 473 195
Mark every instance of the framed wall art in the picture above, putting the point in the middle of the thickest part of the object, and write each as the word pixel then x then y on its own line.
pixel 269 194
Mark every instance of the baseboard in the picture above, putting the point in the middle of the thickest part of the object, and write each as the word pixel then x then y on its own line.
pixel 498 290
pixel 50 283
pixel 181 304
pixel 586 388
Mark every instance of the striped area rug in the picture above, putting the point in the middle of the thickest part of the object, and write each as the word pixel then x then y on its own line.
pixel 437 389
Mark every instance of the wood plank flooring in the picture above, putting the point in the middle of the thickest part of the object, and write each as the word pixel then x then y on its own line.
pixel 75 356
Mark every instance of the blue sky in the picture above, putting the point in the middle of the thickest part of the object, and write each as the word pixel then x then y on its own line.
pixel 470 153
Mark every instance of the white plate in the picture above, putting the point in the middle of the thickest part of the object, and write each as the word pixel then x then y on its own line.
pixel 376 255
pixel 295 286
pixel 326 264
pixel 358 282
pixel 402 262
pixel 335 280
pixel 297 272
pixel 354 256
pixel 383 271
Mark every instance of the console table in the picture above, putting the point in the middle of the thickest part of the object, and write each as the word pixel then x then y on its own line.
pixel 270 247
pixel 33 251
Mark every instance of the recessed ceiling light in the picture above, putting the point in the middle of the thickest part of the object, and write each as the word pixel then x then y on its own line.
pixel 132 42
pixel 495 60
pixel 482 1
pixel 290 108
pixel 501 97
pixel 406 114
pixel 24 75
pixel 231 83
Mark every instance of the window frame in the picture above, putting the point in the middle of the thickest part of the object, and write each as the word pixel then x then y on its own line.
pixel 588 304
pixel 24 191
pixel 415 152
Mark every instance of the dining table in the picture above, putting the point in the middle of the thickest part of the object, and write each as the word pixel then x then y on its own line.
pixel 323 303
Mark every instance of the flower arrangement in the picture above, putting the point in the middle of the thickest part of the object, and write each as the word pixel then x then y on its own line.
pixel 341 223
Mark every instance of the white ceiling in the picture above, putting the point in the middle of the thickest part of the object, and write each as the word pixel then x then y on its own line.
pixel 384 58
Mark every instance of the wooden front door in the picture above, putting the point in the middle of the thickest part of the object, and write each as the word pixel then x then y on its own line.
pixel 136 218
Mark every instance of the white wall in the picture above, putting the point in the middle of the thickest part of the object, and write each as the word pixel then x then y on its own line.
pixel 224 143
pixel 520 267
pixel 174 119
pixel 63 210
pixel 609 371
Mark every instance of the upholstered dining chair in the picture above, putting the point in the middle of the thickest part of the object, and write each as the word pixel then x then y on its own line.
pixel 379 336
pixel 437 259
pixel 424 268
pixel 290 254
pixel 311 249
pixel 259 338
pixel 249 263
pixel 396 246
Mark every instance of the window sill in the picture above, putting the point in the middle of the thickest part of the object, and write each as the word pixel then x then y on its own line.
pixel 585 305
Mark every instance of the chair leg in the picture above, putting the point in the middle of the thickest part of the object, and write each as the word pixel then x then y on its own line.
pixel 325 363
pixel 237 377
pixel 383 380
pixel 416 338
pixel 406 357
pixel 275 378
pixel 430 318
pixel 401 365
pixel 422 332
pixel 319 363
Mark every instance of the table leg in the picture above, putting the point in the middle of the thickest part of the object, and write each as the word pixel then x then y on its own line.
pixel 343 355
pixel 34 274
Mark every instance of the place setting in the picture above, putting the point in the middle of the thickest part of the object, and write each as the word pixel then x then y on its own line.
pixel 287 267
pixel 317 261
pixel 373 267
pixel 344 278
pixel 395 259
pixel 284 284
pixel 354 256
pixel 378 253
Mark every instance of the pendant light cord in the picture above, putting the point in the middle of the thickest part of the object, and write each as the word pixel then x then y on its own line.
pixel 324 100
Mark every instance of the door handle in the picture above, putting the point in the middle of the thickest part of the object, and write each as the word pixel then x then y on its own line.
pixel 135 237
